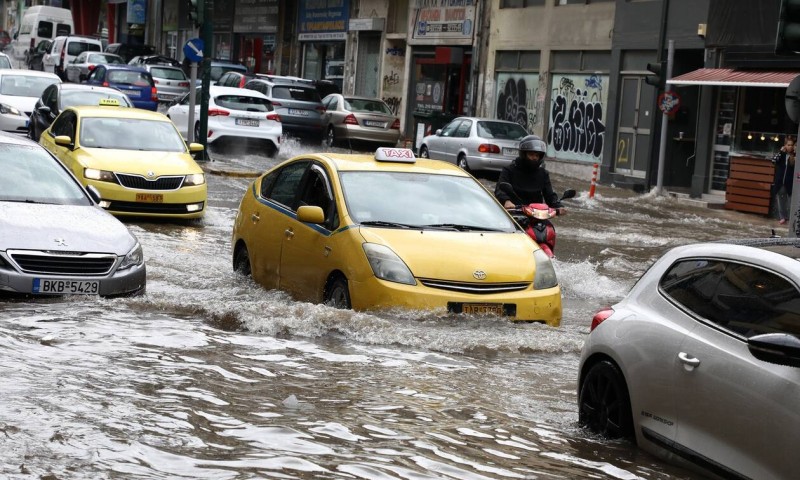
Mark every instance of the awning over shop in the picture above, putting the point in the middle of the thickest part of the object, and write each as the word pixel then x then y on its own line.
pixel 735 78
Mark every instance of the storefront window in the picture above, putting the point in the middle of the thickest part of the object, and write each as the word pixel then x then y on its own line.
pixel 763 123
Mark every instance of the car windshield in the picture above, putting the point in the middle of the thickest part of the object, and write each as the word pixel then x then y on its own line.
pixel 243 102
pixel 105 58
pixel 127 77
pixel 295 93
pixel 76 48
pixel 420 200
pixel 30 175
pixel 71 98
pixel 130 134
pixel 168 73
pixel 4 62
pixel 501 130
pixel 367 106
pixel 24 85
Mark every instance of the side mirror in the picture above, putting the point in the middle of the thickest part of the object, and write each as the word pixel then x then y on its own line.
pixel 94 193
pixel 196 147
pixel 310 214
pixel 777 348
pixel 568 194
pixel 44 110
pixel 64 141
pixel 438 132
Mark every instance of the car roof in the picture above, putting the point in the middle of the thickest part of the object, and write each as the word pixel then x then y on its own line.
pixel 125 66
pixel 118 112
pixel 345 162
pixel 788 247
pixel 220 90
pixel 84 86
pixel 28 73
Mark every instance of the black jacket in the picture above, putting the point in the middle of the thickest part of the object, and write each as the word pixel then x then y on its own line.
pixel 531 185
pixel 783 173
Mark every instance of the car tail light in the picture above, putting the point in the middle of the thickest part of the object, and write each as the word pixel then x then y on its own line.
pixel 350 120
pixel 63 51
pixel 210 134
pixel 274 117
pixel 216 112
pixel 600 316
pixel 90 67
pixel 242 82
pixel 33 45
pixel 155 81
pixel 321 109
pixel 105 84
pixel 396 124
pixel 488 148
pixel 153 94
pixel 183 84
pixel 276 104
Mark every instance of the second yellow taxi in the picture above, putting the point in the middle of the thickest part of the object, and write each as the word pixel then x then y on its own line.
pixel 135 158
pixel 389 230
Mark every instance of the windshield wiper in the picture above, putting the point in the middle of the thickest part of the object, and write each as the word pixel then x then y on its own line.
pixel 381 223
pixel 463 228
pixel 27 200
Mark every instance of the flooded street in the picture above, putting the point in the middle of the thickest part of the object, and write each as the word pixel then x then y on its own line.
pixel 208 375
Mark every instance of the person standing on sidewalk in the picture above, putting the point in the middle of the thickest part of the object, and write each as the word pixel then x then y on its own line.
pixel 784 171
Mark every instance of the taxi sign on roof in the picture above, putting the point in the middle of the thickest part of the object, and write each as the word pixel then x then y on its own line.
pixel 402 155
pixel 109 102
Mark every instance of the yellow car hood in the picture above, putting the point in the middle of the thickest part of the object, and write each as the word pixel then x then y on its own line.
pixel 135 161
pixel 456 256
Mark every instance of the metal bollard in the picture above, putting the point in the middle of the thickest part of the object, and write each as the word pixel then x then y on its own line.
pixel 594 182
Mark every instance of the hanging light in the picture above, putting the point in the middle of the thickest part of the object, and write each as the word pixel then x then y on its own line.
pixel 776 138
pixel 749 136
pixel 763 137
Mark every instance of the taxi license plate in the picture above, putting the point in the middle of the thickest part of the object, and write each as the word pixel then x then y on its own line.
pixel 373 123
pixel 68 287
pixel 247 122
pixel 482 308
pixel 296 111
pixel 510 152
pixel 150 197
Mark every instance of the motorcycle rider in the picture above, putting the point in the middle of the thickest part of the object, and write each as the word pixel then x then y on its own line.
pixel 528 177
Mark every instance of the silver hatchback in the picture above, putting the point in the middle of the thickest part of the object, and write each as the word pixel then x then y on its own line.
pixel 171 83
pixel 474 143
pixel 700 362
pixel 54 238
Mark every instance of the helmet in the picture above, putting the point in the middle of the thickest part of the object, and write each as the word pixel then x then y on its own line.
pixel 532 143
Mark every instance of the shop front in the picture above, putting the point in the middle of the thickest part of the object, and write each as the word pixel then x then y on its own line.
pixel 255 29
pixel 322 31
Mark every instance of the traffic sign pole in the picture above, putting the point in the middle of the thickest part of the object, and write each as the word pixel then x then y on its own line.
pixel 662 147
pixel 206 33
pixel 192 101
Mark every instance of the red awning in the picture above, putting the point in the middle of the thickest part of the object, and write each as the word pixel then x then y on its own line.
pixel 735 78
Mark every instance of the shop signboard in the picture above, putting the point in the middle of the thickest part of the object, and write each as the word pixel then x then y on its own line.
pixel 137 12
pixel 443 21
pixel 430 96
pixel 255 16
pixel 577 124
pixel 515 99
pixel 223 17
pixel 323 20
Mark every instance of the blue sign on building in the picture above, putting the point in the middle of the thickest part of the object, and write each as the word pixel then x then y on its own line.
pixel 323 19
pixel 137 11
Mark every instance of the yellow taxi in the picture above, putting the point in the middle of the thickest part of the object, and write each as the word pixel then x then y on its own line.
pixel 135 158
pixel 389 230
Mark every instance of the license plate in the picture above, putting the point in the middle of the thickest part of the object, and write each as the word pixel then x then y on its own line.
pixel 296 111
pixel 373 123
pixel 482 308
pixel 510 152
pixel 66 287
pixel 150 197
pixel 133 93
pixel 247 122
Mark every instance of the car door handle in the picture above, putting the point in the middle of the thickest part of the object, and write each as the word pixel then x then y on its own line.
pixel 689 361
pixel 255 218
pixel 289 233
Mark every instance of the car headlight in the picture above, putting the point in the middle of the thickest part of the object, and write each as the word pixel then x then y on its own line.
pixel 194 179
pixel 9 110
pixel 101 175
pixel 133 258
pixel 545 276
pixel 386 265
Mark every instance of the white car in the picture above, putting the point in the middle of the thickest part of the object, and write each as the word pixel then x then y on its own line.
pixel 5 61
pixel 19 91
pixel 700 362
pixel 232 112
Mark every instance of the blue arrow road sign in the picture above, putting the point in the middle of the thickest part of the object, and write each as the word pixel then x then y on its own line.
pixel 194 49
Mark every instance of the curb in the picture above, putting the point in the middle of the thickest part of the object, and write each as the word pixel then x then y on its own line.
pixel 229 172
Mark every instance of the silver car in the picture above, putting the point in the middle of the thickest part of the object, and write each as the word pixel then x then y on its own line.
pixel 79 69
pixel 360 119
pixel 171 83
pixel 54 238
pixel 700 362
pixel 474 143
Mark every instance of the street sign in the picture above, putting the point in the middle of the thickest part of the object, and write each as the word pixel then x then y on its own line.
pixel 669 102
pixel 194 49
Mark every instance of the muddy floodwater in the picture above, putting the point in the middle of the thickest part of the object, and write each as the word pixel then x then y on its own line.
pixel 208 375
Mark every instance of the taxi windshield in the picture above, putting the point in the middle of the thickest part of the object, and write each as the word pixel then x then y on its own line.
pixel 421 200
pixel 130 134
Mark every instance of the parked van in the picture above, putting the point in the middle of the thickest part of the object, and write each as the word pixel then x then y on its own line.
pixel 41 22
pixel 65 49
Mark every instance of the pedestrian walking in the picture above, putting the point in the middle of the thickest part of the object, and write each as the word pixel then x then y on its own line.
pixel 782 184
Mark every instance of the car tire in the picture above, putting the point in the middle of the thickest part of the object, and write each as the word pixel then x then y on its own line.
pixel 241 261
pixel 423 152
pixel 330 137
pixel 462 162
pixel 337 295
pixel 272 150
pixel 604 406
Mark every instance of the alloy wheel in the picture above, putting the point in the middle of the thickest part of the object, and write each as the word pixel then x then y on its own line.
pixel 604 405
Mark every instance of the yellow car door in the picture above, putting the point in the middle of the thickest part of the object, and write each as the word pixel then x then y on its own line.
pixel 65 125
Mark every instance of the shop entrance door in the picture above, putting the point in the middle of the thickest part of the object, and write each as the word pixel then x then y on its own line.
pixel 369 49
pixel 635 122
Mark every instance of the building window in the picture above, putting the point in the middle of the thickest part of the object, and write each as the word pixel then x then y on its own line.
pixel 762 121
pixel 580 2
pixel 521 3
pixel 517 60
pixel 581 60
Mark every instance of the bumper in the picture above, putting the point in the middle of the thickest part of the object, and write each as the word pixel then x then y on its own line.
pixel 145 104
pixel 488 161
pixel 186 202
pixel 218 131
pixel 126 282
pixel 530 305
pixel 302 129
pixel 363 134
pixel 168 96
pixel 14 123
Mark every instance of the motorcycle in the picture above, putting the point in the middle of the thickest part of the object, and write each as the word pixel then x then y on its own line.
pixel 535 218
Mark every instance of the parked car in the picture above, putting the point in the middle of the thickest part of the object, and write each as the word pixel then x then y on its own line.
pixel 34 58
pixel 135 82
pixel 127 50
pixel 232 113
pixel 143 60
pixel 79 69
pixel 19 91
pixel 235 78
pixel 136 159
pixel 297 102
pixel 54 239
pixel 59 96
pixel 700 362
pixel 41 22
pixel 5 62
pixel 219 67
pixel 171 83
pixel 350 118
pixel 475 143
pixel 65 49
pixel 380 253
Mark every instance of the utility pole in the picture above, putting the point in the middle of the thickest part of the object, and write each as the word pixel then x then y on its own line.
pixel 662 147
pixel 206 34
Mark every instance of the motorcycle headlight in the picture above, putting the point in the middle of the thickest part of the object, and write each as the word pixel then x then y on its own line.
pixel 386 265
pixel 101 175
pixel 133 258
pixel 9 110
pixel 545 276
pixel 194 179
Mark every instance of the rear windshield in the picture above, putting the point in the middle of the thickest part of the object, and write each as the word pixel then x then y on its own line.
pixel 168 73
pixel 45 29
pixel 24 86
pixel 103 58
pixel 244 102
pixel 501 130
pixel 63 29
pixel 362 105
pixel 218 71
pixel 138 79
pixel 296 93
pixel 76 48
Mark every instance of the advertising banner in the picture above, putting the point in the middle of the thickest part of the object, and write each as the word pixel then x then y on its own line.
pixel 322 20
pixel 137 11
pixel 255 16
pixel 451 21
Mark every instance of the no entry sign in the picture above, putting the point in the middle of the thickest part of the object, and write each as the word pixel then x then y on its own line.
pixel 669 102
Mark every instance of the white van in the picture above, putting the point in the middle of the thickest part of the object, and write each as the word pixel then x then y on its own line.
pixel 64 50
pixel 41 22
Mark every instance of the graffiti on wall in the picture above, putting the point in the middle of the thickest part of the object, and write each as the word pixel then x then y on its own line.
pixel 393 103
pixel 517 95
pixel 577 124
